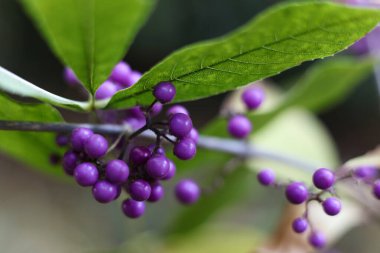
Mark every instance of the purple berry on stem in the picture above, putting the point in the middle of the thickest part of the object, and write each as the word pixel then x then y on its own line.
pixel 239 126
pixel 180 125
pixel 157 166
pixel 69 162
pixel 157 192
pixel 187 191
pixel 117 171
pixel 317 240
pixel 185 149
pixel 253 97
pixel 96 146
pixel 139 190
pixel 79 136
pixel 164 92
pixel 332 206
pixel 132 208
pixel 106 90
pixel 104 192
pixel 266 177
pixel 120 73
pixel 300 225
pixel 323 178
pixel 171 172
pixel 86 174
pixel 296 193
pixel 139 155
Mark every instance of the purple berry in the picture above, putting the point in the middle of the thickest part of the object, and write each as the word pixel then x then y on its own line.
pixel 185 149
pixel 194 135
pixel 317 240
pixel 332 206
pixel 117 171
pixel 132 208
pixel 366 172
pixel 171 172
pixel 180 125
pixel 157 166
pixel 104 192
pixel 106 90
pixel 164 92
pixel 96 146
pixel 239 126
pixel 300 225
pixel 159 151
pixel 79 136
pixel 376 189
pixel 253 97
pixel 187 191
pixel 157 192
pixel 62 140
pixel 139 190
pixel 120 73
pixel 70 77
pixel 139 155
pixel 296 193
pixel 70 161
pixel 176 109
pixel 156 109
pixel 266 177
pixel 133 78
pixel 323 178
pixel 86 174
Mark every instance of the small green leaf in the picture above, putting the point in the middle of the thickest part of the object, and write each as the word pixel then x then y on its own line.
pixel 15 85
pixel 33 149
pixel 278 39
pixel 90 36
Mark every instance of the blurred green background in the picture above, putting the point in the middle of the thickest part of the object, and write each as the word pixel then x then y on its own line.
pixel 42 214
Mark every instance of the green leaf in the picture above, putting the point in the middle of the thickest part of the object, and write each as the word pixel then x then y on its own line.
pixel 15 85
pixel 30 148
pixel 90 36
pixel 278 39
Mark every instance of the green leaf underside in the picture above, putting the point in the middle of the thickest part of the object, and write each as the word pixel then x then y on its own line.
pixel 15 85
pixel 30 148
pixel 280 38
pixel 338 75
pixel 90 36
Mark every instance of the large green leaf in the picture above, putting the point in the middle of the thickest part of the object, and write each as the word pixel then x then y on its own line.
pixel 278 39
pixel 15 85
pixel 33 149
pixel 90 36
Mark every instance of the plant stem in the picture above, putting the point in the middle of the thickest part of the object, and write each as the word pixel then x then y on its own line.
pixel 235 147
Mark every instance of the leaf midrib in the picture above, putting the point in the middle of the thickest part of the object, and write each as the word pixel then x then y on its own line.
pixel 241 54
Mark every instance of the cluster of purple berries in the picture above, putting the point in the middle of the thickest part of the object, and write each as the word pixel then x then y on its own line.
pixel 324 180
pixel 122 77
pixel 239 126
pixel 139 169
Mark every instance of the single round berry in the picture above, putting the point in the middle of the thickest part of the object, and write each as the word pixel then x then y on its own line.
pixel 96 146
pixel 157 192
pixel 171 172
pixel 239 126
pixel 70 161
pixel 180 125
pixel 62 140
pixel 117 171
pixel 120 73
pixel 104 192
pixel 376 189
pixel 157 166
pixel 253 97
pixel 300 225
pixel 296 193
pixel 266 177
pixel 139 155
pixel 79 136
pixel 86 174
pixel 317 240
pixel 332 206
pixel 323 178
pixel 194 135
pixel 132 208
pixel 164 92
pixel 106 90
pixel 176 109
pixel 366 172
pixel 185 149
pixel 139 190
pixel 187 191
pixel 156 109
pixel 70 77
